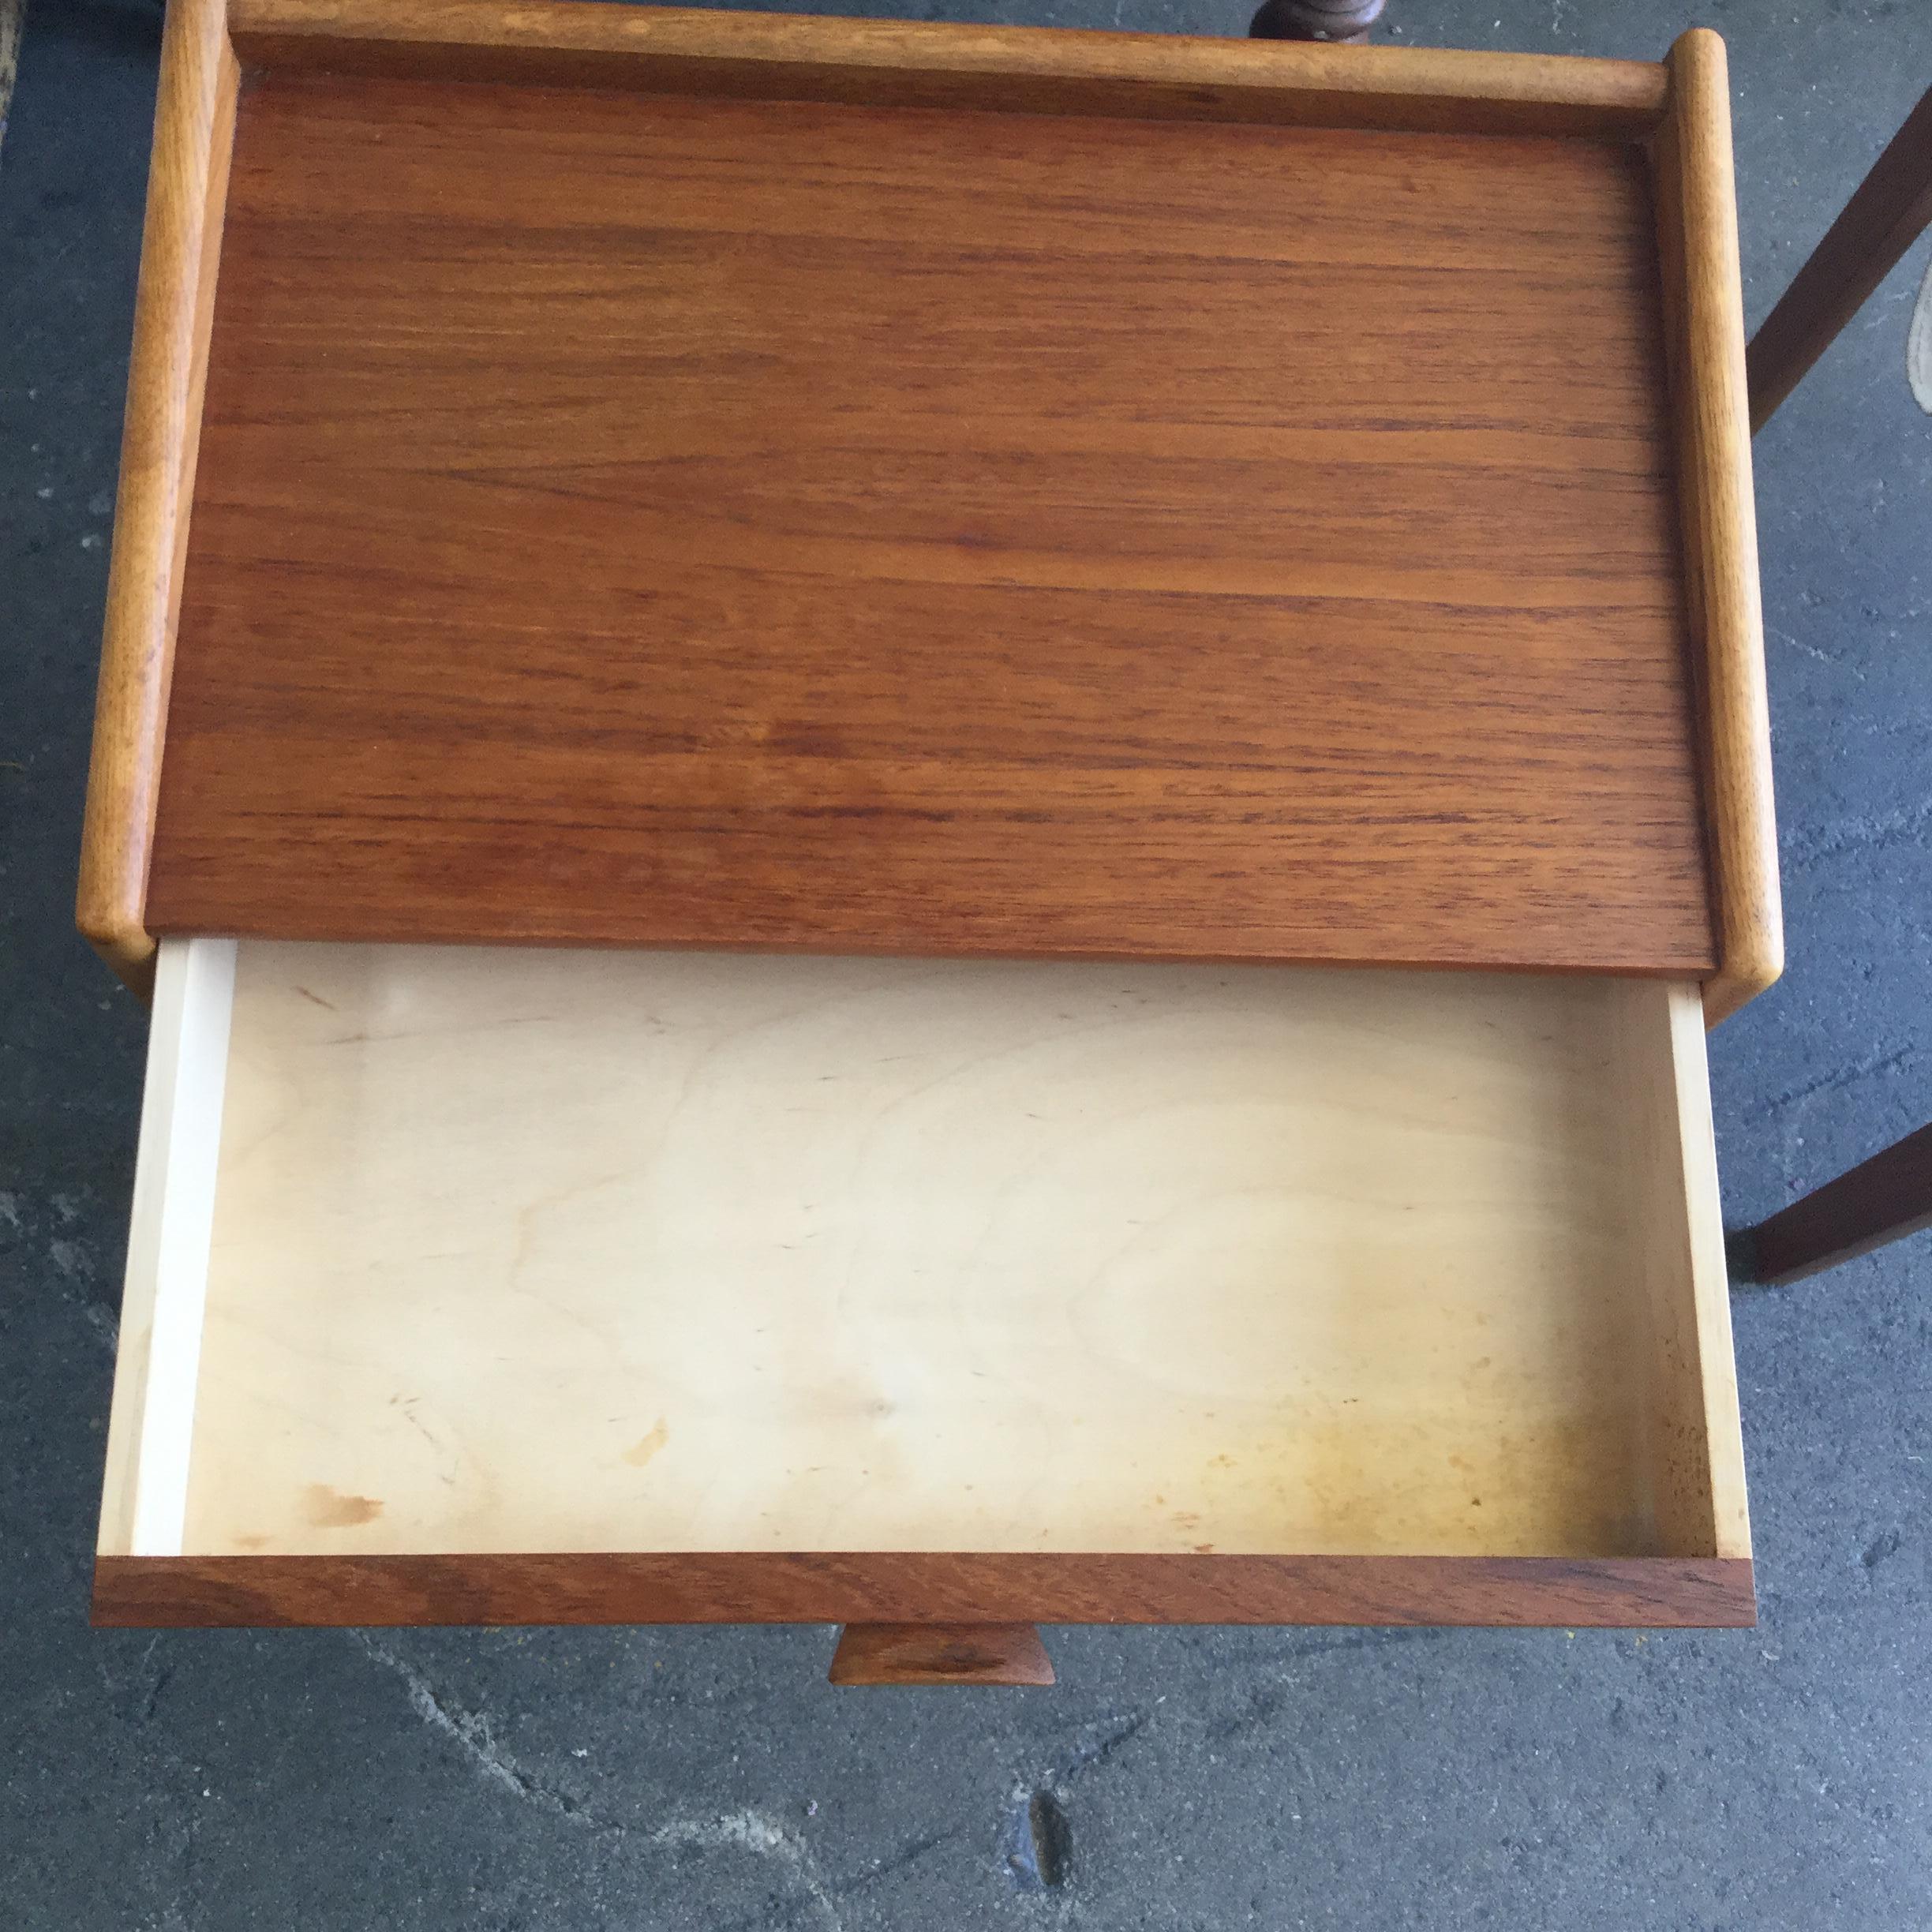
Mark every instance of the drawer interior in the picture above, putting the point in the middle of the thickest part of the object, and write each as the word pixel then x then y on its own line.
pixel 474 1248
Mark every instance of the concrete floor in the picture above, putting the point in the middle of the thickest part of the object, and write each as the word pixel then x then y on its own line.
pixel 1765 1778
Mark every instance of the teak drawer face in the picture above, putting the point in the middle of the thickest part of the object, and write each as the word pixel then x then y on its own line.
pixel 692 1284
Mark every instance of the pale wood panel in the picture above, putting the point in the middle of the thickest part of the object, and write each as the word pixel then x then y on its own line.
pixel 521 1249
pixel 151 1422
pixel 1695 1446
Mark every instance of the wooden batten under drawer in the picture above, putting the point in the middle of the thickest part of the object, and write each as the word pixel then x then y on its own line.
pixel 489 1284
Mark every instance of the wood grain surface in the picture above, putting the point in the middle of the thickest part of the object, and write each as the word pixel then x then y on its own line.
pixel 1697 215
pixel 911 1587
pixel 634 519
pixel 1694 1460
pixel 180 243
pixel 522 1249
pixel 939 1653
pixel 954 64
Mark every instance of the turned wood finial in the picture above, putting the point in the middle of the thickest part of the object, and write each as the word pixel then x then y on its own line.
pixel 1343 21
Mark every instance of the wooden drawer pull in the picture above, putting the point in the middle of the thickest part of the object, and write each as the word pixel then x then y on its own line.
pixel 941 1654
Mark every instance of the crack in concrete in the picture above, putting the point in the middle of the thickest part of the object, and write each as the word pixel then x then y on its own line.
pixel 1864 833
pixel 161 1679
pixel 909 1853
pixel 1097 1750
pixel 74 1272
pixel 1867 1069
pixel 135 1698
pixel 836 1888
pixel 1837 660
pixel 763 1838
pixel 1261 1705
pixel 73 1265
pixel 474 1734
pixel 1340 1642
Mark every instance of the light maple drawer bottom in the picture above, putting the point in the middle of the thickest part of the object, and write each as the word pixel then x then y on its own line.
pixel 493 1285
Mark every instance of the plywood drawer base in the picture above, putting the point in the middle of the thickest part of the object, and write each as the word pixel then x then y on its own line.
pixel 500 1285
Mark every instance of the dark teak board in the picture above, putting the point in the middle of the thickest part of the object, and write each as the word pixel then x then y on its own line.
pixel 624 518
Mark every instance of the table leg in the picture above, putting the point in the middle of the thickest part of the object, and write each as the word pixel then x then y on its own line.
pixel 1889 211
pixel 1878 1201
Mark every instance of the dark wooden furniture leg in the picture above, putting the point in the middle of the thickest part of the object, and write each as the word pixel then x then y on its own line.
pixel 1315 19
pixel 1889 211
pixel 1879 1200
pixel 1890 1196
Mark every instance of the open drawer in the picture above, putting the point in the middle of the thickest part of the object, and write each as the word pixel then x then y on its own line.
pixel 510 1285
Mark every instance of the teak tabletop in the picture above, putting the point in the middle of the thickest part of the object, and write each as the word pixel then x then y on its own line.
pixel 806 506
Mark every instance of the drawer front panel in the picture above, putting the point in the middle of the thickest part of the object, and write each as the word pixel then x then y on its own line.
pixel 1220 1275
